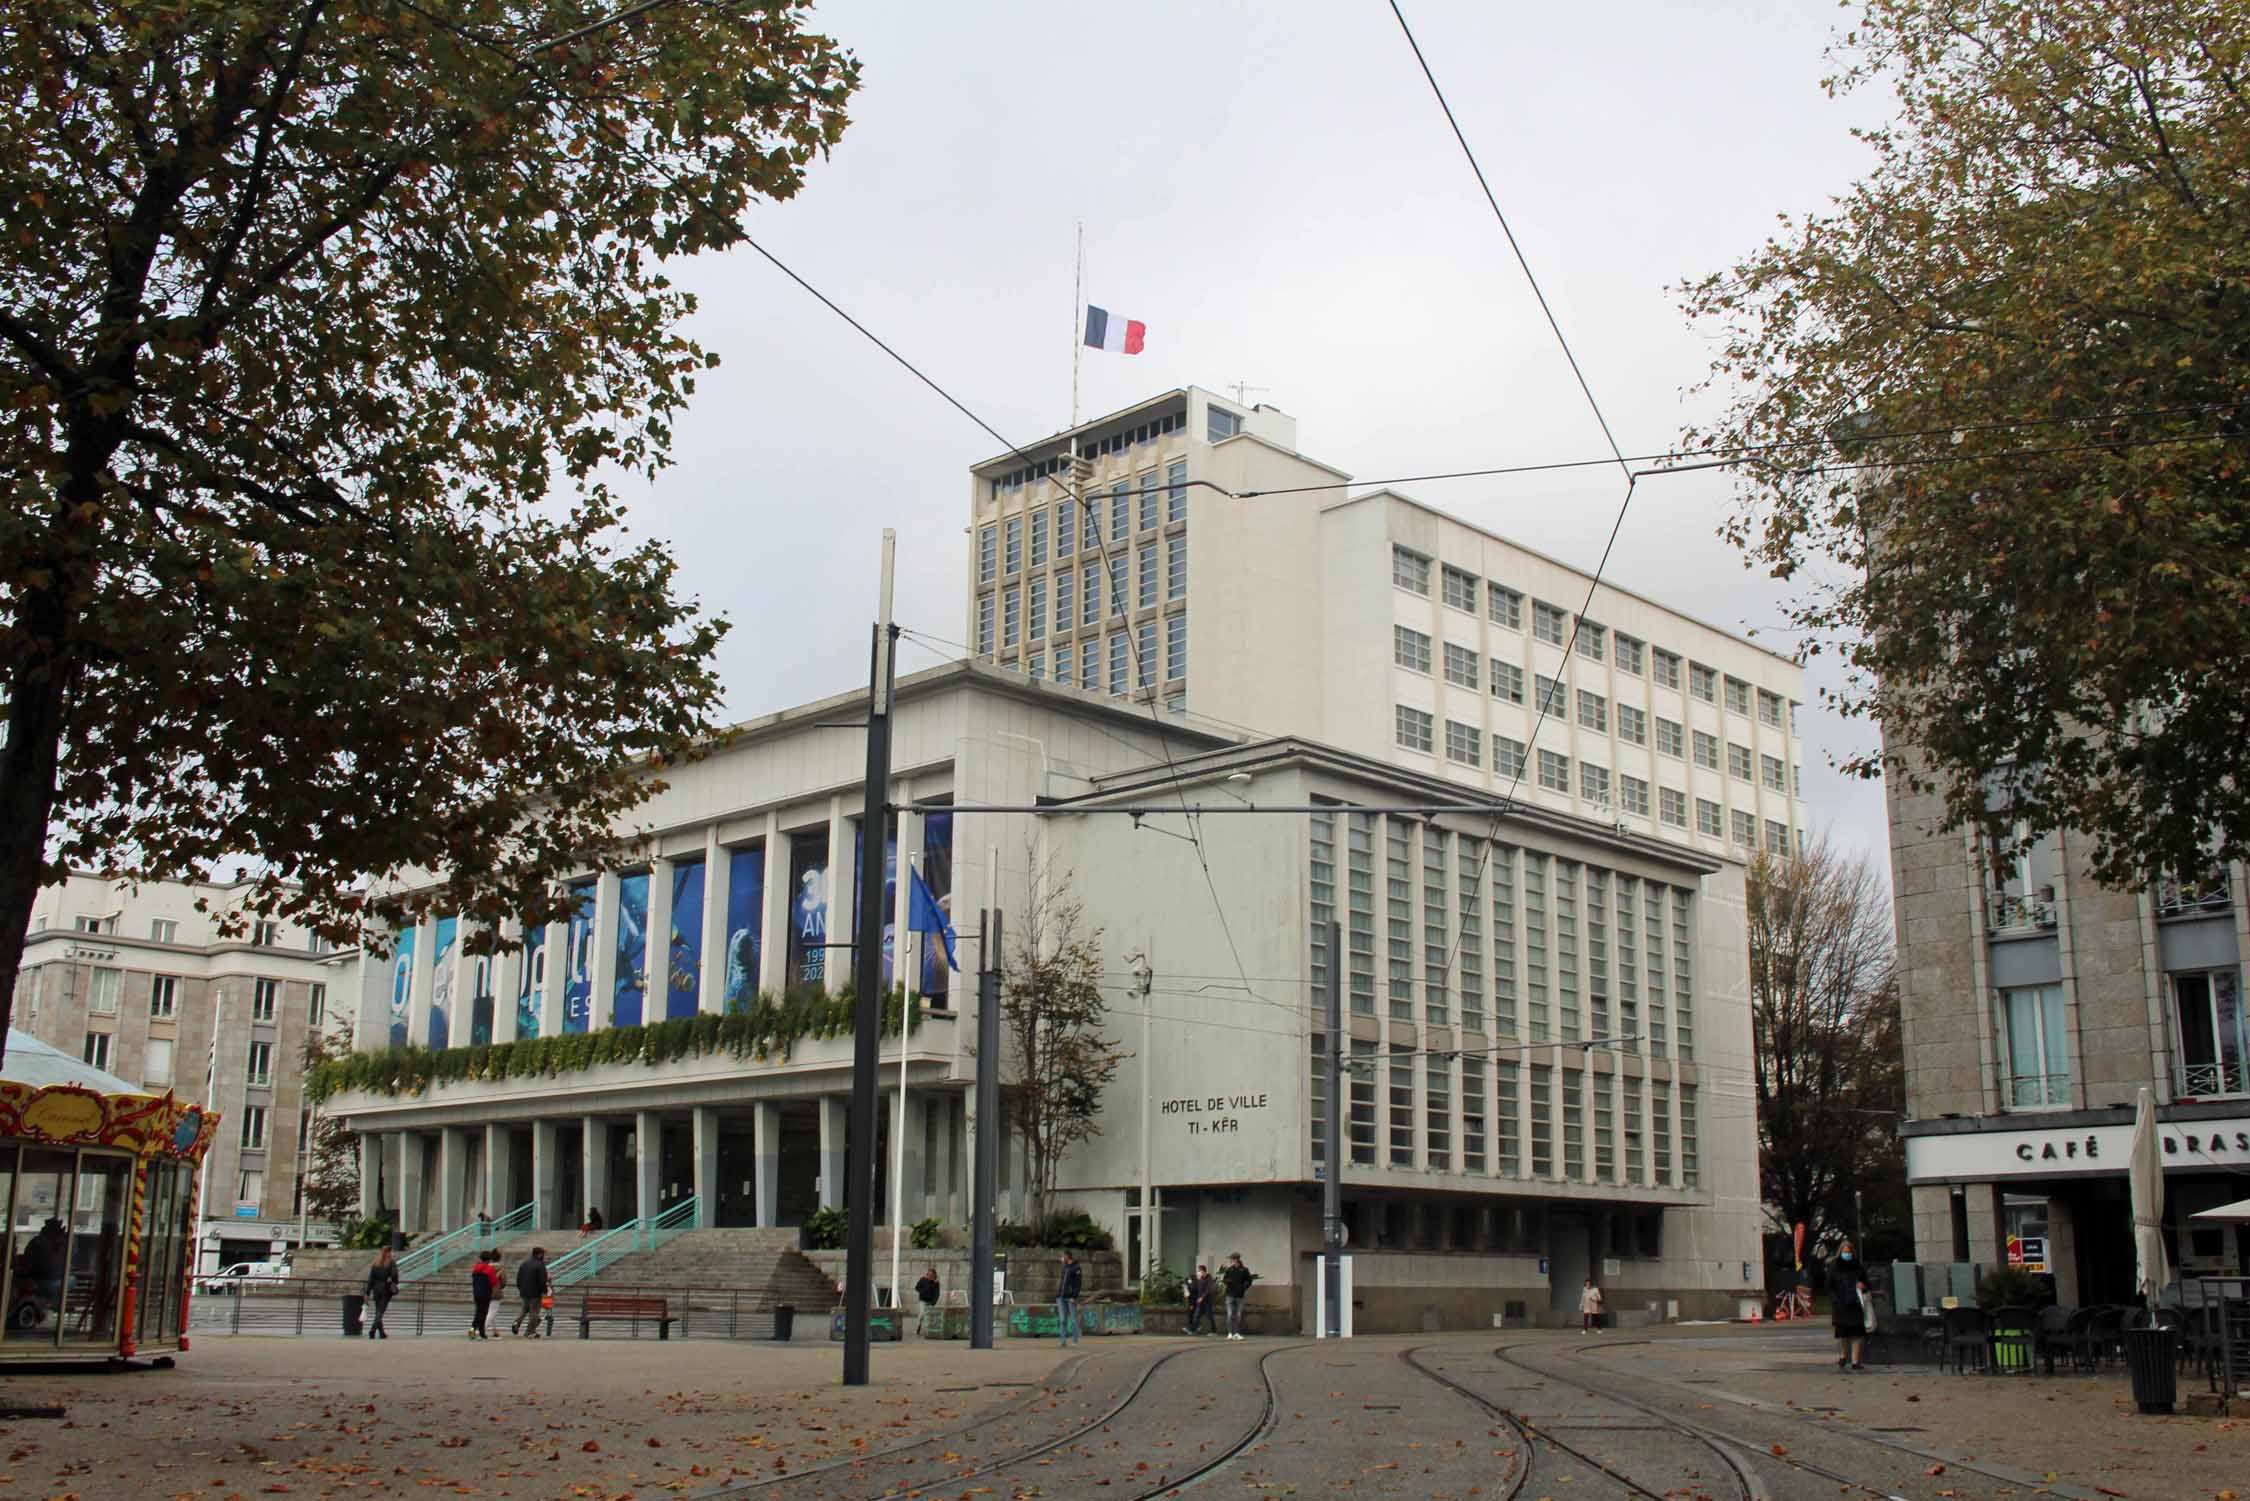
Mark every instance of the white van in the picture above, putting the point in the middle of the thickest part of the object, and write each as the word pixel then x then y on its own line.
pixel 231 1279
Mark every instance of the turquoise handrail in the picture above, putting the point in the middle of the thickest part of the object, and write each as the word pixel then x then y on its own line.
pixel 608 1248
pixel 478 1235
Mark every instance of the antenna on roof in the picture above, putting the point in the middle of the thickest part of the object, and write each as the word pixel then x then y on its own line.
pixel 1243 388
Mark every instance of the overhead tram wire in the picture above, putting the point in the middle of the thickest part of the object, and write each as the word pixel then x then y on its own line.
pixel 1142 670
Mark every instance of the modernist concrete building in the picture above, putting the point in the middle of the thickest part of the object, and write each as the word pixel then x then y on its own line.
pixel 1545 992
pixel 136 980
pixel 2036 1004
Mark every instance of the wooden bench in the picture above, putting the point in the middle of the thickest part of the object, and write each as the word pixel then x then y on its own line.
pixel 624 1306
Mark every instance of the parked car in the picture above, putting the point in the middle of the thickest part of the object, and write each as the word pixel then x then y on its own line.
pixel 232 1279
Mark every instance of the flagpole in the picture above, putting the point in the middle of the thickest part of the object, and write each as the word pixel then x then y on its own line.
pixel 904 940
pixel 1077 311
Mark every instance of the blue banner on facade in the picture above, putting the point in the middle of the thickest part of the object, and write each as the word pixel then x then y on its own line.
pixel 402 987
pixel 683 966
pixel 937 874
pixel 890 897
pixel 528 987
pixel 480 1002
pixel 441 982
pixel 808 910
pixel 578 961
pixel 746 905
pixel 630 997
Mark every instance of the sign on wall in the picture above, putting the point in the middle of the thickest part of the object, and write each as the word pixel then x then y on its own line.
pixel 441 981
pixel 578 962
pixel 402 986
pixel 746 902
pixel 2187 1146
pixel 629 994
pixel 683 964
pixel 527 986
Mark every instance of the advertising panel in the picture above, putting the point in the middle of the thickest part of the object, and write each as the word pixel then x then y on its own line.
pixel 402 986
pixel 441 982
pixel 527 985
pixel 629 997
pixel 746 905
pixel 808 909
pixel 578 961
pixel 683 965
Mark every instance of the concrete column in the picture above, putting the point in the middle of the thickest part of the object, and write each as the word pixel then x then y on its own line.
pixel 555 960
pixel 656 949
pixel 464 976
pixel 370 1174
pixel 711 993
pixel 773 920
pixel 418 995
pixel 410 1170
pixel 648 1163
pixel 939 1169
pixel 765 1159
pixel 507 979
pixel 908 1118
pixel 836 968
pixel 546 1214
pixel 704 1176
pixel 832 1129
pixel 453 1177
pixel 499 1160
pixel 594 1170
pixel 604 965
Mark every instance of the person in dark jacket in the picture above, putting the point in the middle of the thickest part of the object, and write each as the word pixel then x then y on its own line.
pixel 485 1284
pixel 531 1287
pixel 1066 1298
pixel 1847 1304
pixel 1237 1278
pixel 382 1286
pixel 1203 1317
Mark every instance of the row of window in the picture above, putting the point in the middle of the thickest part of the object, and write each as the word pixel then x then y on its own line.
pixel 265 932
pixel 1131 658
pixel 2210 1039
pixel 105 989
pixel 1022 540
pixel 156 1059
pixel 1136 581
pixel 1410 570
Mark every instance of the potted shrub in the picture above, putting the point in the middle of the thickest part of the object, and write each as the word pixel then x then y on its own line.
pixel 1163 1301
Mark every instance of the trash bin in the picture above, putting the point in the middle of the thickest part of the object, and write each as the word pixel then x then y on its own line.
pixel 355 1305
pixel 784 1322
pixel 2152 1355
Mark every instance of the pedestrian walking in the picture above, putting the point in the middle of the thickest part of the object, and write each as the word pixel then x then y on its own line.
pixel 1847 1306
pixel 1066 1299
pixel 1237 1279
pixel 927 1289
pixel 485 1283
pixel 1201 1318
pixel 1590 1308
pixel 531 1287
pixel 382 1286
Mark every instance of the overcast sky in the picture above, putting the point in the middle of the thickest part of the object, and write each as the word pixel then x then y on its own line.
pixel 1272 189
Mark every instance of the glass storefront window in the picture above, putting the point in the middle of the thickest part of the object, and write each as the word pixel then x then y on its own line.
pixel 97 1248
pixel 39 1244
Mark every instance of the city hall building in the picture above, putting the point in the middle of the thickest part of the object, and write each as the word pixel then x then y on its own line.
pixel 1542 968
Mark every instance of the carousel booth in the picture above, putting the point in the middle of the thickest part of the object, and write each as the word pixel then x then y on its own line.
pixel 98 1182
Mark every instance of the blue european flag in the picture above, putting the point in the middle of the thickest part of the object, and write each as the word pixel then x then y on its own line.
pixel 924 915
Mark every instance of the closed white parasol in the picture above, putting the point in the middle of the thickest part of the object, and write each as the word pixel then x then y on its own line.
pixel 2146 1166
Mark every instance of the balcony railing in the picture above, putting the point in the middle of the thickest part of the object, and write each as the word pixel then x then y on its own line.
pixel 2207 1080
pixel 2021 914
pixel 2193 896
pixel 2038 1091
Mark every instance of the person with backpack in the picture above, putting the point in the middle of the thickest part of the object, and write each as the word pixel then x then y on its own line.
pixel 1202 1317
pixel 1066 1299
pixel 531 1286
pixel 382 1286
pixel 485 1283
pixel 1237 1278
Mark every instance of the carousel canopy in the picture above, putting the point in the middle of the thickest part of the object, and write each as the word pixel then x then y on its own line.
pixel 31 1062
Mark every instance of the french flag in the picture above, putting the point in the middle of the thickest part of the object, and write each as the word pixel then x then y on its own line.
pixel 1117 335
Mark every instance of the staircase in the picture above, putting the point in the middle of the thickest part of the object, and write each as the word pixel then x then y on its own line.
pixel 750 1259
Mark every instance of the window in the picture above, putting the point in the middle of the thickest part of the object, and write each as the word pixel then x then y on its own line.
pixel 260 1070
pixel 1632 725
pixel 1119 650
pixel 1221 424
pixel 1151 508
pixel 1414 729
pixel 1118 567
pixel 97 1049
pixel 1593 712
pixel 1035 666
pixel 1460 666
pixel 263 997
pixel 1015 544
pixel 2213 1033
pixel 1090 600
pixel 1039 538
pixel 1090 664
pixel 1707 818
pixel 156 1062
pixel 1144 658
pixel 1554 771
pixel 1738 697
pixel 1507 756
pixel 1769 708
pixel 1410 570
pixel 251 1187
pixel 1148 564
pixel 1632 796
pixel 1628 653
pixel 1590 639
pixel 1774 773
pixel 1175 648
pixel 1066 600
pixel 163 996
pixel 1460 588
pixel 1706 751
pixel 1175 568
pixel 988 552
pixel 1176 490
pixel 1503 606
pixel 1547 622
pixel 1507 681
pixel 1437 1111
pixel 1703 682
pixel 1671 738
pixel 96 924
pixel 1777 838
pixel 2038 1049
pixel 1120 511
pixel 1738 761
pixel 1410 648
pixel 1011 615
pixel 984 625
pixel 1745 830
pixel 253 1128
pixel 1593 782
pixel 1066 530
pixel 1667 664
pixel 102 989
pixel 164 930
pixel 1463 743
pixel 1550 694
pixel 316 1010
pixel 1671 806
pixel 1038 609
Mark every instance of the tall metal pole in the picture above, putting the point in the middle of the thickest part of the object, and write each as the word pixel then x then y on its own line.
pixel 985 1181
pixel 867 984
pixel 910 980
pixel 1332 1185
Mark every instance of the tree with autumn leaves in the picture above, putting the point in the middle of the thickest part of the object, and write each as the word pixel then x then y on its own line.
pixel 1989 412
pixel 326 327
